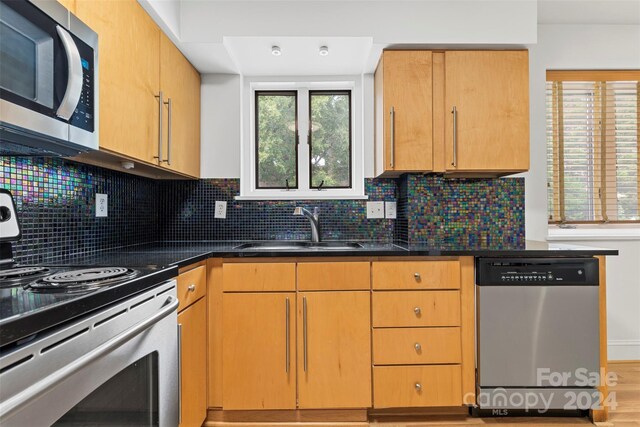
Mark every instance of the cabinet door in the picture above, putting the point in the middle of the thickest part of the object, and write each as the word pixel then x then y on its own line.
pixel 193 364
pixel 258 365
pixel 129 52
pixel 490 91
pixel 180 83
pixel 407 79
pixel 334 350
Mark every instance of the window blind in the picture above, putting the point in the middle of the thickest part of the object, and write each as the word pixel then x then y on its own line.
pixel 592 146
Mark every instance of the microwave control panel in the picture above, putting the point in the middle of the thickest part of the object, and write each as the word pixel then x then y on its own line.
pixel 84 115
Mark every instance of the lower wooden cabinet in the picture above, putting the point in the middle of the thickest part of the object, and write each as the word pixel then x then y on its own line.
pixel 193 378
pixel 334 350
pixel 258 356
pixel 410 386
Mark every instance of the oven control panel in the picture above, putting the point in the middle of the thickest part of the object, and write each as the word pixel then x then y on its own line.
pixel 540 271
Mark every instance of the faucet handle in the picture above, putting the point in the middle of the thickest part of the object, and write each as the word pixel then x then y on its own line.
pixel 316 211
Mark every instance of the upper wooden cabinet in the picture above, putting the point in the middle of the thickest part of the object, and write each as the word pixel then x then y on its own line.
pixel 180 85
pixel 138 63
pixel 456 112
pixel 403 110
pixel 490 93
pixel 129 52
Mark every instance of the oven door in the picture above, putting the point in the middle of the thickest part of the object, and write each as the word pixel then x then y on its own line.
pixel 46 75
pixel 105 370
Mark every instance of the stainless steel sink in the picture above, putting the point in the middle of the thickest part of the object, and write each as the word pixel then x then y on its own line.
pixel 298 246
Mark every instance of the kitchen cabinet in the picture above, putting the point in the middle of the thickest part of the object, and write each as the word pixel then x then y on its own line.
pixel 462 113
pixel 129 58
pixel 180 85
pixel 490 93
pixel 138 64
pixel 192 321
pixel 403 111
pixel 193 378
pixel 334 350
pixel 259 370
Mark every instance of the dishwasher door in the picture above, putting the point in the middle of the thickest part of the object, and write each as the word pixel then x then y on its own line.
pixel 523 328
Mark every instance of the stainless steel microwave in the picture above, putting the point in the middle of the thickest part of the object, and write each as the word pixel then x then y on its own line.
pixel 48 80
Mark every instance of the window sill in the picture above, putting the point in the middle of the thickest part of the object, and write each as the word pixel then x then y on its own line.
pixel 605 232
pixel 303 196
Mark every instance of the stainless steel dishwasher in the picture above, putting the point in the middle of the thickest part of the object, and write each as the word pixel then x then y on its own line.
pixel 537 334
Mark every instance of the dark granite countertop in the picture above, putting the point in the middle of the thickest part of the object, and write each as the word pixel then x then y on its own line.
pixel 166 254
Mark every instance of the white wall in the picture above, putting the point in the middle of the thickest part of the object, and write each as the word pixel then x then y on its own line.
pixel 220 126
pixel 586 47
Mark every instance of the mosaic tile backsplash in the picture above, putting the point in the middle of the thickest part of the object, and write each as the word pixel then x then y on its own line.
pixel 190 206
pixel 461 212
pixel 56 202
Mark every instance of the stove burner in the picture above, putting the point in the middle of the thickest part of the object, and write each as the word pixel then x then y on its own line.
pixel 81 280
pixel 18 272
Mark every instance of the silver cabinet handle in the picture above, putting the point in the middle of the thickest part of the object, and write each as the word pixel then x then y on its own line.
pixel 417 346
pixel 10 406
pixel 74 76
pixel 286 329
pixel 417 276
pixel 392 130
pixel 418 387
pixel 454 162
pixel 169 105
pixel 417 311
pixel 160 97
pixel 191 288
pixel 304 331
pixel 179 373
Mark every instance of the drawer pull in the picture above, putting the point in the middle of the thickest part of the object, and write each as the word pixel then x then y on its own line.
pixel 417 276
pixel 418 347
pixel 417 311
pixel 418 387
pixel 191 288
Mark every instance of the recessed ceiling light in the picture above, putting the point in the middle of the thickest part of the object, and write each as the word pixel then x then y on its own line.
pixel 275 51
pixel 323 51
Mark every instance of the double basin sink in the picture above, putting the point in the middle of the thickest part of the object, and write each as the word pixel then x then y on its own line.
pixel 298 246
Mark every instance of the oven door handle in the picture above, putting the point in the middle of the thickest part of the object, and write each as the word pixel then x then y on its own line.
pixel 17 402
pixel 74 76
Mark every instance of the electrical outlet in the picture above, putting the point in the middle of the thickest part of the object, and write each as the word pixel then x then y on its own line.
pixel 221 210
pixel 375 210
pixel 102 205
pixel 390 210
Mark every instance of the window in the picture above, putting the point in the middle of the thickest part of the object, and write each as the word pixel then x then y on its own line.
pixel 302 140
pixel 592 146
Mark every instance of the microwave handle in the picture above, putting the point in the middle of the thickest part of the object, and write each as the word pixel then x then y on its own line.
pixel 74 80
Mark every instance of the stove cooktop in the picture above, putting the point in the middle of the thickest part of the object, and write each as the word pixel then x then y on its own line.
pixel 35 298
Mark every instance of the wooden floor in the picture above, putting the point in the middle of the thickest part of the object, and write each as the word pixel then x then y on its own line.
pixel 627 413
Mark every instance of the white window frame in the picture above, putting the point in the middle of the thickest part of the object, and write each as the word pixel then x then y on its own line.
pixel 250 85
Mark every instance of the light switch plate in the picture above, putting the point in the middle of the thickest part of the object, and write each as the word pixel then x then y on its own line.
pixel 390 210
pixel 375 210
pixel 221 210
pixel 102 205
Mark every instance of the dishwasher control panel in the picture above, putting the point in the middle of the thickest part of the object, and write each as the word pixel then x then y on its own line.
pixel 537 271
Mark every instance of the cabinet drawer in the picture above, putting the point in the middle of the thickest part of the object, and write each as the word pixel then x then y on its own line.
pixel 327 276
pixel 413 346
pixel 416 275
pixel 259 276
pixel 192 286
pixel 416 308
pixel 408 386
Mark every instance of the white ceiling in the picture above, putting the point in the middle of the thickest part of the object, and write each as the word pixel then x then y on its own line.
pixel 235 36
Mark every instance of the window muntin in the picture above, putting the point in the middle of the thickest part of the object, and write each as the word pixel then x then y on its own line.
pixel 330 145
pixel 276 131
pixel 592 141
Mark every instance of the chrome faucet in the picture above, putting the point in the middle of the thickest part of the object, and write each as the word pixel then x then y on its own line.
pixel 314 220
